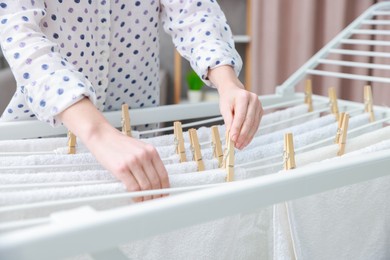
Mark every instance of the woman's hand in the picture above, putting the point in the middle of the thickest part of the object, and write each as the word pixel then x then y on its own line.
pixel 133 162
pixel 241 109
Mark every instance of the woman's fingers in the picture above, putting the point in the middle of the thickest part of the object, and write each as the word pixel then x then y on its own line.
pixel 255 126
pixel 251 122
pixel 239 115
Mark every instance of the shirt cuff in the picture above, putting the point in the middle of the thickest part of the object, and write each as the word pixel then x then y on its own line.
pixel 52 94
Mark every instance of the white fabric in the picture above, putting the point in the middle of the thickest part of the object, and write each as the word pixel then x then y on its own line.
pixel 351 222
pixel 59 144
pixel 179 180
pixel 353 144
pixel 301 140
pixel 277 136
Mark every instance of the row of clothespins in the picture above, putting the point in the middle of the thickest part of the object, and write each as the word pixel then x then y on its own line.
pixel 368 100
pixel 225 159
pixel 225 156
pixel 342 118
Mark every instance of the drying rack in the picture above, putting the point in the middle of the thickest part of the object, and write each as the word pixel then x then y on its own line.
pixel 113 227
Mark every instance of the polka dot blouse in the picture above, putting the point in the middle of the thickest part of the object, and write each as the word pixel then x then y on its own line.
pixel 107 50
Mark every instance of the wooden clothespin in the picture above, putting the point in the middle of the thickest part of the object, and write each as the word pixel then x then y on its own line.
pixel 71 143
pixel 339 128
pixel 289 154
pixel 126 126
pixel 343 138
pixel 309 95
pixel 195 147
pixel 216 145
pixel 333 102
pixel 368 102
pixel 179 141
pixel 229 158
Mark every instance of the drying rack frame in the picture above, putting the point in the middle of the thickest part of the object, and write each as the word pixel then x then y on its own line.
pixel 116 226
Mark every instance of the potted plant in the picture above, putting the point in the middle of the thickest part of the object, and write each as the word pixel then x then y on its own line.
pixel 195 85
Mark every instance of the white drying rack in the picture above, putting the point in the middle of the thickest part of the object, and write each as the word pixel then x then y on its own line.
pixel 101 232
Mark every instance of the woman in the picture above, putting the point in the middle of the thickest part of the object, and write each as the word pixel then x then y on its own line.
pixel 74 59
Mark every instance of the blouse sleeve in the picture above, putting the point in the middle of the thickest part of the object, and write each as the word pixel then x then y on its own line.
pixel 48 81
pixel 201 34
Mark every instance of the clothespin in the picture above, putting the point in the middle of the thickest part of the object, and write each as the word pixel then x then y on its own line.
pixel 229 158
pixel 126 127
pixel 71 143
pixel 343 137
pixel 309 95
pixel 368 102
pixel 195 147
pixel 333 102
pixel 216 144
pixel 179 141
pixel 339 128
pixel 289 154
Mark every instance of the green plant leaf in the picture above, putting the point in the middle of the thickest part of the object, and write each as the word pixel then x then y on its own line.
pixel 193 81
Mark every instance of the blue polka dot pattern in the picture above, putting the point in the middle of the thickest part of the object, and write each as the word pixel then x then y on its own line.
pixel 61 51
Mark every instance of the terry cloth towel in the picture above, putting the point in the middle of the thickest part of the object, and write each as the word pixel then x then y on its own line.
pixel 302 140
pixel 248 155
pixel 284 114
pixel 351 222
pixel 168 152
pixel 179 180
pixel 58 145
pixel 79 163
pixel 244 236
pixel 51 144
pixel 204 132
pixel 353 144
pixel 28 196
pixel 32 145
pixel 295 130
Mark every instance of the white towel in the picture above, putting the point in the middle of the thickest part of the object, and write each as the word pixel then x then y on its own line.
pixel 284 114
pixel 296 130
pixel 351 222
pixel 204 133
pixel 301 140
pixel 235 237
pixel 32 145
pixel 247 155
pixel 182 180
pixel 283 246
pixel 55 177
pixel 353 144
pixel 59 144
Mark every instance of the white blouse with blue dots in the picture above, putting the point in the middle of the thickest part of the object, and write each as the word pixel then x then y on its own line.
pixel 63 50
